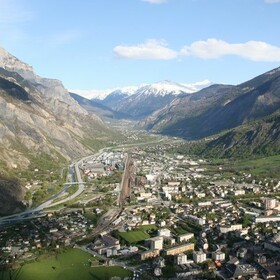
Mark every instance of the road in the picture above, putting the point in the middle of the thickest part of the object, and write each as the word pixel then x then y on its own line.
pixel 74 169
pixel 37 211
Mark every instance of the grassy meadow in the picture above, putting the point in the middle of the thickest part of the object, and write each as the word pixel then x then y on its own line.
pixel 73 264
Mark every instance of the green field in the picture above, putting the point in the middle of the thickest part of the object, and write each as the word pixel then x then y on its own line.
pixel 134 236
pixel 71 265
pixel 266 166
pixel 147 227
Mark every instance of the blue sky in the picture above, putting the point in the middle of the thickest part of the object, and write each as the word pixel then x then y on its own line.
pixel 100 44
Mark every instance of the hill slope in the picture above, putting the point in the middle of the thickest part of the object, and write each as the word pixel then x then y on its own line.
pixel 260 138
pixel 218 107
pixel 97 108
pixel 39 122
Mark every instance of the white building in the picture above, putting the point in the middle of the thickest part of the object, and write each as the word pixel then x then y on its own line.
pixel 239 192
pixel 218 256
pixel 165 232
pixel 205 203
pixel 156 243
pixel 162 223
pixel 181 259
pixel 199 256
pixel 197 220
pixel 226 229
pixel 263 219
pixel 269 203
pixel 185 237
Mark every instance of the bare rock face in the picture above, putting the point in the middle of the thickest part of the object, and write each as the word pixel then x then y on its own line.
pixel 38 116
pixel 11 63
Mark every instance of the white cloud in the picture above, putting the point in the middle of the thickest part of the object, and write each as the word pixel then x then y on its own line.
pixel 151 49
pixel 213 48
pixel 155 1
pixel 208 49
pixel 272 1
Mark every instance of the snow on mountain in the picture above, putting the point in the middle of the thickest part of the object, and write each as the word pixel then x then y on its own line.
pixel 168 87
pixel 194 87
pixel 102 94
pixel 160 88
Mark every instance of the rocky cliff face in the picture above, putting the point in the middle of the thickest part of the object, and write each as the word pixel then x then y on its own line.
pixel 39 117
pixel 31 121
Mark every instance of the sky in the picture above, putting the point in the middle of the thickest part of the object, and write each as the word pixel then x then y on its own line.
pixel 101 44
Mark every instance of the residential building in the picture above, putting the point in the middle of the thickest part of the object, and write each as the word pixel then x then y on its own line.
pixel 264 219
pixel 179 249
pixel 165 232
pixel 149 254
pixel 226 229
pixel 199 257
pixel 156 243
pixel 181 259
pixel 218 256
pixel 269 203
pixel 185 237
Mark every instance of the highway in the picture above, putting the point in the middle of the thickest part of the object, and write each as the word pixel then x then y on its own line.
pixel 38 210
pixel 73 169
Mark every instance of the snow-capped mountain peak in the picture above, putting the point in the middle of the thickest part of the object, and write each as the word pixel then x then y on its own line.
pixel 163 88
pixel 194 87
pixel 102 94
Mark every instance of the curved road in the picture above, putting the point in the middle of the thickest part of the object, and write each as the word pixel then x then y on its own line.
pixel 37 211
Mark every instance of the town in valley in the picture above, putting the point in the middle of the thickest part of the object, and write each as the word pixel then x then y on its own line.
pixel 156 213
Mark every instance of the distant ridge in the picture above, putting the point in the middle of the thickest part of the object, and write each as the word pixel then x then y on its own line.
pixel 167 86
pixel 217 108
pixel 149 98
pixel 257 138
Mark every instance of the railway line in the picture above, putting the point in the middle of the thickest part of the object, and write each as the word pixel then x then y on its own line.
pixel 123 196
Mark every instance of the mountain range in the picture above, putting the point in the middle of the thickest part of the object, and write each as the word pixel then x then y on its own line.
pixel 39 116
pixel 39 119
pixel 130 90
pixel 226 113
pixel 139 103
pixel 217 108
pixel 103 111
pixel 256 138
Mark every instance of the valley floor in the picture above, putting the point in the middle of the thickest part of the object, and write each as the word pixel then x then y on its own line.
pixel 153 212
